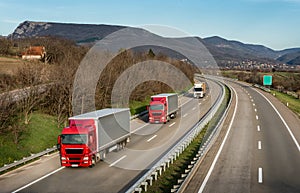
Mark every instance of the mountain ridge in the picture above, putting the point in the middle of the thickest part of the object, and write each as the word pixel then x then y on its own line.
pixel 222 49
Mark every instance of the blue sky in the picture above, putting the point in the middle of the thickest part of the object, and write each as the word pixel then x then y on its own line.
pixel 273 23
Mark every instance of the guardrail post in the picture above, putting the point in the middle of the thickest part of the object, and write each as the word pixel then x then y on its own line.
pixel 150 178
pixel 159 170
pixel 145 184
pixel 139 190
pixel 155 175
pixel 164 166
pixel 168 163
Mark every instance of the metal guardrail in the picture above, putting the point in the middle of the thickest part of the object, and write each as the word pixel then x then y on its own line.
pixel 27 159
pixel 205 147
pixel 168 158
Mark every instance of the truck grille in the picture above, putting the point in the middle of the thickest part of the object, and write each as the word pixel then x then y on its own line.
pixel 156 114
pixel 74 151
pixel 74 158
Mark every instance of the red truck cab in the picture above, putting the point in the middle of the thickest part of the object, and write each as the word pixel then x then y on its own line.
pixel 158 110
pixel 77 143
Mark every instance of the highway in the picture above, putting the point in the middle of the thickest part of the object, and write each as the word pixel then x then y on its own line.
pixel 120 169
pixel 257 150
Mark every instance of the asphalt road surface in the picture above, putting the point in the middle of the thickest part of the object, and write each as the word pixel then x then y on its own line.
pixel 120 169
pixel 261 152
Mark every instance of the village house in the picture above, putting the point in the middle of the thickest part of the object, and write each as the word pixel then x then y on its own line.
pixel 34 53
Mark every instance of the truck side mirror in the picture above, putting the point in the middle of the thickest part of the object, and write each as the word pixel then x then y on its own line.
pixel 58 146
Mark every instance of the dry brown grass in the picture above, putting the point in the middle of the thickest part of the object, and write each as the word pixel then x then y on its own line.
pixel 10 65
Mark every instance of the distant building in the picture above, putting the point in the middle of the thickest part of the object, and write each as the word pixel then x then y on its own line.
pixel 34 53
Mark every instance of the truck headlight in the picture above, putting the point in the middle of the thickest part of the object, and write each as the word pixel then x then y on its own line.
pixel 63 158
pixel 86 158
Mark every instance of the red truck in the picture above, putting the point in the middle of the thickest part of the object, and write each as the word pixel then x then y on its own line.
pixel 163 107
pixel 92 135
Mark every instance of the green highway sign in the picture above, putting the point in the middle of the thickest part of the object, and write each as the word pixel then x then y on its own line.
pixel 267 80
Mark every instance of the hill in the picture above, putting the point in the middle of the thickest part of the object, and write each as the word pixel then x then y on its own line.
pixel 224 51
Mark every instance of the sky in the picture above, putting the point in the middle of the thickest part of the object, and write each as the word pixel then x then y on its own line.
pixel 273 23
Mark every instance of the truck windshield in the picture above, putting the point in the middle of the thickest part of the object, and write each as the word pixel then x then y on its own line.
pixel 197 89
pixel 156 107
pixel 74 139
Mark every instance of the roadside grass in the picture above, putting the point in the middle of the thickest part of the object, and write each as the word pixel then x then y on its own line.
pixel 293 103
pixel 137 107
pixel 40 134
pixel 9 65
pixel 169 178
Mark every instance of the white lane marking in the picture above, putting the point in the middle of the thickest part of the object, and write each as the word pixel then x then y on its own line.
pixel 140 128
pixel 199 103
pixel 286 125
pixel 172 124
pixel 260 175
pixel 221 147
pixel 185 102
pixel 152 138
pixel 259 145
pixel 255 110
pixel 193 108
pixel 185 115
pixel 114 163
pixel 258 128
pixel 252 100
pixel 253 104
pixel 256 117
pixel 39 179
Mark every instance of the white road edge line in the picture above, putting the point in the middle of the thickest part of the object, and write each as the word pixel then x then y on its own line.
pixel 152 138
pixel 39 179
pixel 259 144
pixel 260 175
pixel 258 128
pixel 172 124
pixel 286 125
pixel 114 163
pixel 221 147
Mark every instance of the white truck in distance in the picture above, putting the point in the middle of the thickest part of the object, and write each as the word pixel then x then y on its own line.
pixel 199 90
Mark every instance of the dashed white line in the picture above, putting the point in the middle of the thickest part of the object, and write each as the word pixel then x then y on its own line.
pixel 114 163
pixel 140 128
pixel 258 128
pixel 252 100
pixel 172 124
pixel 193 108
pixel 39 179
pixel 259 145
pixel 185 115
pixel 255 110
pixel 256 117
pixel 253 104
pixel 199 103
pixel 260 175
pixel 152 138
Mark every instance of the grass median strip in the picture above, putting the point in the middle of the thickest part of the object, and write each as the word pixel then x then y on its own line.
pixel 170 177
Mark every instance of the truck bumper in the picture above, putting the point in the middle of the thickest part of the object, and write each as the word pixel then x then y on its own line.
pixel 75 162
pixel 157 120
